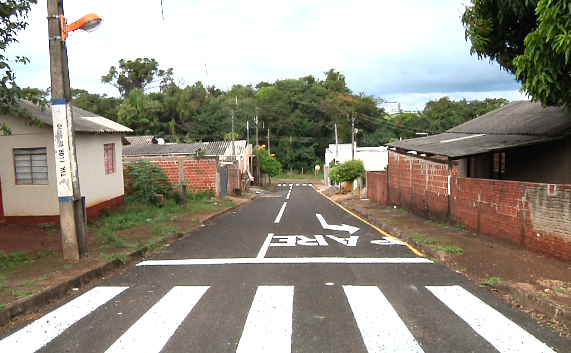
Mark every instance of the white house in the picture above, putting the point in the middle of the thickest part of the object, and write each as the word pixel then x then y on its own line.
pixel 374 158
pixel 27 165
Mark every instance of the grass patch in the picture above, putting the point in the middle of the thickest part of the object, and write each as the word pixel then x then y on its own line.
pixel 13 259
pixel 24 293
pixel 2 306
pixel 164 229
pixel 68 266
pixel 459 227
pixel 490 281
pixel 422 239
pixel 111 257
pixel 28 283
pixel 2 282
pixel 449 249
pixel 49 228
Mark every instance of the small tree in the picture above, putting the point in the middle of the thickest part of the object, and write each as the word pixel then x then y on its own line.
pixel 347 171
pixel 269 165
pixel 144 180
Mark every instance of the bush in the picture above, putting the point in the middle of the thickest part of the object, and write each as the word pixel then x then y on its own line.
pixel 347 171
pixel 144 180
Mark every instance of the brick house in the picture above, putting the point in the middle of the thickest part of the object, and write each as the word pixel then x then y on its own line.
pixel 202 166
pixel 506 174
pixel 28 189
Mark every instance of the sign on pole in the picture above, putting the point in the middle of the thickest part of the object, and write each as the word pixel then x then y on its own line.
pixel 61 148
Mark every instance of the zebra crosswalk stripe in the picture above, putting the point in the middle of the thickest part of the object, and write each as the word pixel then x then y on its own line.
pixel 269 324
pixel 42 331
pixel 153 330
pixel 381 327
pixel 502 333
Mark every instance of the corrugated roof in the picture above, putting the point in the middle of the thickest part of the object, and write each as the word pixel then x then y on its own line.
pixel 157 150
pixel 145 140
pixel 519 118
pixel 224 148
pixel 83 121
pixel 516 124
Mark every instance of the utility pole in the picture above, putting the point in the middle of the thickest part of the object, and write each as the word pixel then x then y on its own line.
pixel 71 207
pixel 257 152
pixel 353 136
pixel 247 132
pixel 233 144
pixel 269 142
pixel 336 145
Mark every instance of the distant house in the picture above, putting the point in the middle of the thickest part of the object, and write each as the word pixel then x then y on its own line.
pixel 505 174
pixel 145 140
pixel 374 158
pixel 202 166
pixel 521 141
pixel 27 165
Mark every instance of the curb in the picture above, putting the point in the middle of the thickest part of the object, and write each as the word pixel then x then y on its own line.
pixel 36 301
pixel 549 309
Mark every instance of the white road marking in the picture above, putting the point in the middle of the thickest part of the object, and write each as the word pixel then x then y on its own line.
pixel 351 241
pixel 153 330
pixel 287 196
pixel 39 333
pixel 502 333
pixel 279 217
pixel 288 260
pixel 381 327
pixel 265 246
pixel 342 227
pixel 269 324
pixel 386 241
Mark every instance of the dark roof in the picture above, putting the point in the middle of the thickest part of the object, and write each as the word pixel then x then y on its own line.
pixel 154 150
pixel 517 124
pixel 83 121
pixel 142 140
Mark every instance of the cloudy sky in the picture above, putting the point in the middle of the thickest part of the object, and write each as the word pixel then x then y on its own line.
pixel 407 51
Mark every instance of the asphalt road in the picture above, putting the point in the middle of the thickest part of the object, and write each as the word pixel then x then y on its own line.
pixel 290 272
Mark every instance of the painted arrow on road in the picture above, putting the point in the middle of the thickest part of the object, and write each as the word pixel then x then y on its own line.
pixel 342 227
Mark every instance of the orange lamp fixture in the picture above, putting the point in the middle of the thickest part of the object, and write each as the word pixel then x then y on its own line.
pixel 87 23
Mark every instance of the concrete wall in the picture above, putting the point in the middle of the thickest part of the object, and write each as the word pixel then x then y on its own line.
pixel 536 216
pixel 42 200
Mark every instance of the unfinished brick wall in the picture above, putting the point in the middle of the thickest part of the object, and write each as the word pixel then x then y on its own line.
pixel 234 180
pixel 377 187
pixel 198 172
pixel 419 185
pixel 533 215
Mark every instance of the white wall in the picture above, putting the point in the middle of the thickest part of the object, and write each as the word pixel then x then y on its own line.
pixel 42 200
pixel 374 158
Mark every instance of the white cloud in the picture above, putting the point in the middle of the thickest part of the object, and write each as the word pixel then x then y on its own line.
pixel 407 49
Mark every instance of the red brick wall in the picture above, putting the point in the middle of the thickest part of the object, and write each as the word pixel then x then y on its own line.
pixel 377 187
pixel 198 172
pixel 419 185
pixel 234 181
pixel 536 216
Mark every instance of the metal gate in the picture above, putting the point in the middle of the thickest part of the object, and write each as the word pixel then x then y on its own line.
pixel 223 172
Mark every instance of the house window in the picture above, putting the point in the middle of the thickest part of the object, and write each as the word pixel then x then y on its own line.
pixel 31 166
pixel 109 157
pixel 499 165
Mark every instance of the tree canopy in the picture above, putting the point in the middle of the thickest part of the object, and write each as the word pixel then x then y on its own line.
pixel 13 15
pixel 137 74
pixel 528 38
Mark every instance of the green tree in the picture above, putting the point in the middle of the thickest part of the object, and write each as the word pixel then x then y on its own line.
pixel 529 38
pixel 269 165
pixel 544 66
pixel 102 105
pixel 13 15
pixel 141 113
pixel 138 74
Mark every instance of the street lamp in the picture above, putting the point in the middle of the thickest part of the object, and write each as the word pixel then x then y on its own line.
pixel 87 23
pixel 73 220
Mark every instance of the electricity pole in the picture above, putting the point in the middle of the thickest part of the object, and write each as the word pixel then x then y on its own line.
pixel 71 207
pixel 233 145
pixel 257 153
pixel 336 145
pixel 269 142
pixel 353 136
